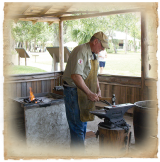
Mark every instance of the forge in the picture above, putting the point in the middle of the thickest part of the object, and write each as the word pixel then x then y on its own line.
pixel 41 122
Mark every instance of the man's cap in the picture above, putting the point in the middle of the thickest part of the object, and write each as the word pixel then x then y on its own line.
pixel 103 38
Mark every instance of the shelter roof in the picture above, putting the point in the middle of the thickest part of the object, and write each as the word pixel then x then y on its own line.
pixel 53 12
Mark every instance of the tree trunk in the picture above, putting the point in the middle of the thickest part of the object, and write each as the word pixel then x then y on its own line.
pixel 126 42
pixel 115 50
pixel 43 46
pixel 27 45
pixel 35 44
pixel 134 45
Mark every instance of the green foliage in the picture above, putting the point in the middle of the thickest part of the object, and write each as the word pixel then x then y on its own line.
pixel 82 30
pixel 26 31
pixel 111 50
pixel 79 30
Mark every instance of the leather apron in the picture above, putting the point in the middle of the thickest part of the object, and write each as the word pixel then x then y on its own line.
pixel 85 105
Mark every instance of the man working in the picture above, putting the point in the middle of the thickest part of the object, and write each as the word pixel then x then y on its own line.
pixel 81 86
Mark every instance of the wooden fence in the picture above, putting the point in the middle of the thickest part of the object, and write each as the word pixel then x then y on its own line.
pixel 126 89
pixel 18 85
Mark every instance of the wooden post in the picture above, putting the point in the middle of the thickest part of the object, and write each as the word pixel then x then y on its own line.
pixel 61 46
pixel 54 63
pixel 144 55
pixel 25 59
pixel 18 59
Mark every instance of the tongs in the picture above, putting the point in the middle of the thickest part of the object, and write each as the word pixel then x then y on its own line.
pixel 104 100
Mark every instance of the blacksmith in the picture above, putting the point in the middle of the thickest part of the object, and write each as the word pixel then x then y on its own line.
pixel 81 86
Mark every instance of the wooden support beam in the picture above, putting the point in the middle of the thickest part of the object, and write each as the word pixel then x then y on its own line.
pixel 25 59
pixel 61 46
pixel 144 55
pixel 100 14
pixel 50 23
pixel 34 22
pixel 54 63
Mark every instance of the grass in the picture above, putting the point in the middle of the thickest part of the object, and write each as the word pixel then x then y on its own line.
pixel 15 69
pixel 116 64
pixel 129 65
pixel 26 69
pixel 123 64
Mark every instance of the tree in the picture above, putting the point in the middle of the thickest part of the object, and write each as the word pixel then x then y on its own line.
pixel 54 33
pixel 135 31
pixel 127 23
pixel 20 32
pixel 25 31
pixel 82 30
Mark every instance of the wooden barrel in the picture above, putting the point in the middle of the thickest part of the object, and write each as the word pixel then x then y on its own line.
pixel 113 142
pixel 144 121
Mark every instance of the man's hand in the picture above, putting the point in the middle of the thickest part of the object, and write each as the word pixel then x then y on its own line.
pixel 99 93
pixel 78 80
pixel 93 97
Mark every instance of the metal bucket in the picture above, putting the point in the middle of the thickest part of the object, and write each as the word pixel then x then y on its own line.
pixel 144 121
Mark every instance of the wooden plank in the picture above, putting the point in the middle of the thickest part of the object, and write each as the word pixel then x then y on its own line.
pixel 100 14
pixel 11 90
pixel 118 79
pixel 44 86
pixel 33 76
pixel 29 84
pixel 24 89
pixel 18 86
pixel 138 94
pixel 49 86
pixel 123 95
pixel 61 46
pixel 107 90
pixel 33 80
pixel 117 94
pixel 132 95
pixel 102 90
pixel 34 87
pixel 126 85
pixel 144 54
pixel 110 90
pixel 52 85
pixel 39 86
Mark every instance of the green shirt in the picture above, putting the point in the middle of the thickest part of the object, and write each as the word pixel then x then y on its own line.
pixel 78 63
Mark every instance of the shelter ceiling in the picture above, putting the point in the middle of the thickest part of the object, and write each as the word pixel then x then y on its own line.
pixel 54 11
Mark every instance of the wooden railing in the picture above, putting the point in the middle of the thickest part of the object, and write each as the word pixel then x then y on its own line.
pixel 18 85
pixel 126 89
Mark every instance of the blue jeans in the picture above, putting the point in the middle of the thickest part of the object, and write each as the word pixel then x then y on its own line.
pixel 76 126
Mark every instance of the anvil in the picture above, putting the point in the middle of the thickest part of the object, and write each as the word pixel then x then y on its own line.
pixel 113 115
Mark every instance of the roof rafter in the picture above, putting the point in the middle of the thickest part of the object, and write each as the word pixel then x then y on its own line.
pixel 100 14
